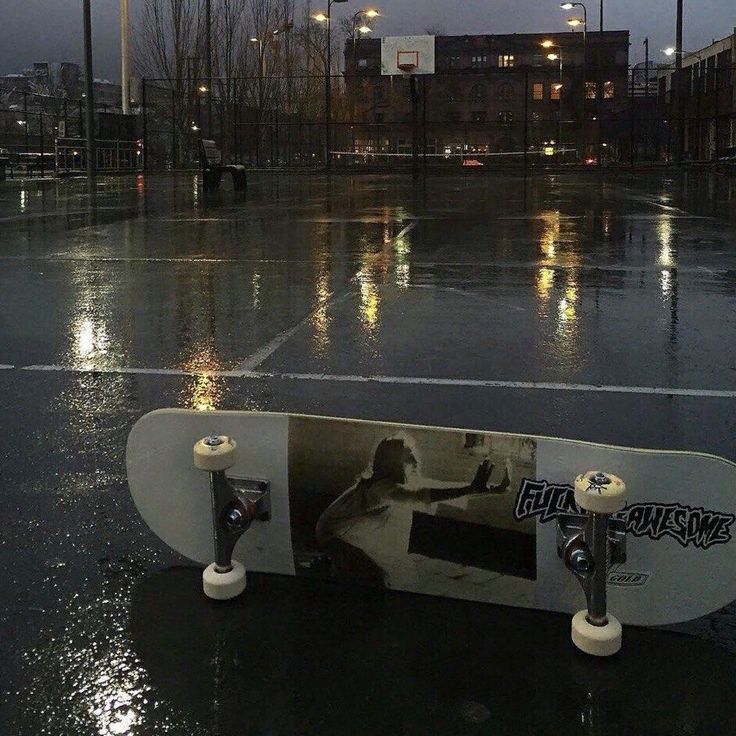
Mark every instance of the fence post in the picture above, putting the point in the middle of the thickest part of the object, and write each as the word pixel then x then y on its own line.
pixel 526 119
pixel 40 144
pixel 173 128
pixel 145 124
pixel 633 123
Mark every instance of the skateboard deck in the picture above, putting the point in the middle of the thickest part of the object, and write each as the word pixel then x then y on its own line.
pixel 446 512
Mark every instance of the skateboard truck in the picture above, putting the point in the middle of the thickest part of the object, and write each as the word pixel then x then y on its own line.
pixel 588 544
pixel 236 504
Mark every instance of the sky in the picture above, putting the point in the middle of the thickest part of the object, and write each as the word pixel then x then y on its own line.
pixel 51 30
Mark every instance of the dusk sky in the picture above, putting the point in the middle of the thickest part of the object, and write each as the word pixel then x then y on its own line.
pixel 39 30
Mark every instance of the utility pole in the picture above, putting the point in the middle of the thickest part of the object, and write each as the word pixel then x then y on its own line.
pixel 89 79
pixel 125 56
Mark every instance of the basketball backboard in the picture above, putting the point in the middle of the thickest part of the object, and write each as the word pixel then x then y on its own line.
pixel 405 55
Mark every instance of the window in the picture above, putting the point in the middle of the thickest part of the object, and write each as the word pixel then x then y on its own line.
pixel 555 90
pixel 379 118
pixel 362 63
pixel 478 61
pixel 505 91
pixel 506 117
pixel 538 91
pixel 477 93
pixel 479 116
pixel 505 60
pixel 608 90
pixel 538 60
pixel 590 90
pixel 453 61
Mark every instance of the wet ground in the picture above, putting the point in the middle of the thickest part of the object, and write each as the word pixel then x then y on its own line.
pixel 571 305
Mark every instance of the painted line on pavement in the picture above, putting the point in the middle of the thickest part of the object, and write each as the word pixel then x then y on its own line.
pixel 403 380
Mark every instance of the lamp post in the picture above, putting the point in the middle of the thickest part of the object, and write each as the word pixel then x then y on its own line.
pixel 327 18
pixel 552 56
pixel 261 75
pixel 90 95
pixel 125 56
pixel 574 22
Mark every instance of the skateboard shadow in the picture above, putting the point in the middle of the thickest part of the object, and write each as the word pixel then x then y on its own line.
pixel 302 656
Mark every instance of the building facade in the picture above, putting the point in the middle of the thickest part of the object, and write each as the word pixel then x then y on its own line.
pixel 706 121
pixel 493 94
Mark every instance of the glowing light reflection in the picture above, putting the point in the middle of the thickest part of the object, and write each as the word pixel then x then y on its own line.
pixel 545 282
pixel 666 282
pixel 203 391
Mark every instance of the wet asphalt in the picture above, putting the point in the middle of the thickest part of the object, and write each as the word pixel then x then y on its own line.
pixel 560 304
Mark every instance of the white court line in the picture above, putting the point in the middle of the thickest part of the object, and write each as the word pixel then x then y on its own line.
pixel 6 367
pixel 405 380
pixel 267 350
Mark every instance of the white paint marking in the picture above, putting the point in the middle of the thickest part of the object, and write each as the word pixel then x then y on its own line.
pixel 6 367
pixel 265 352
pixel 404 380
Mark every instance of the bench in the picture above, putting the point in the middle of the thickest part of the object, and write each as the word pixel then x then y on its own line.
pixel 210 157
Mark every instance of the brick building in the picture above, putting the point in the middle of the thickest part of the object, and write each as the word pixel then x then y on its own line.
pixel 485 88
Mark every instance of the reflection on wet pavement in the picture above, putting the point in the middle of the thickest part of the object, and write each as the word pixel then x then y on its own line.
pixel 158 296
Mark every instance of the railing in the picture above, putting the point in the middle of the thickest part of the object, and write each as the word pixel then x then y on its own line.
pixel 111 156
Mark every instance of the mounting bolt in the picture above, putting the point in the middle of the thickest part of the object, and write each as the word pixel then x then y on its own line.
pixel 236 519
pixel 601 479
pixel 213 441
pixel 581 561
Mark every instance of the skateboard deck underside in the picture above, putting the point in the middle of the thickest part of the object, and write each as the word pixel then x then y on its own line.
pixel 416 509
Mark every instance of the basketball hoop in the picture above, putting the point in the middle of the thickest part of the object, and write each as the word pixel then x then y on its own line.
pixel 407 61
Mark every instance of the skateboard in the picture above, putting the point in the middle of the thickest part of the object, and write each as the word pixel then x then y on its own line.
pixel 524 521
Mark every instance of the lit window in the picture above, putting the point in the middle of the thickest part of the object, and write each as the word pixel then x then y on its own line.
pixel 590 90
pixel 538 91
pixel 478 61
pixel 505 60
pixel 555 90
pixel 608 90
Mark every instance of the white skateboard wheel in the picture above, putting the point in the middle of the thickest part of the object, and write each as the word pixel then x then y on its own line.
pixel 222 586
pixel 216 453
pixel 601 493
pixel 599 641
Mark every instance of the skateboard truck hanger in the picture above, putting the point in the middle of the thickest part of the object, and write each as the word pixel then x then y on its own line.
pixel 589 543
pixel 236 504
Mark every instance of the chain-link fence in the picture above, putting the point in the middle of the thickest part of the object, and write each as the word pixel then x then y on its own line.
pixel 526 117
pixel 503 117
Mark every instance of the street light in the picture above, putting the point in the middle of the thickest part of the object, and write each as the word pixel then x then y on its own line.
pixel 326 18
pixel 556 56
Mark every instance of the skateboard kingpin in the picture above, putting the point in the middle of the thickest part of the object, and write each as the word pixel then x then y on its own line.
pixel 456 513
